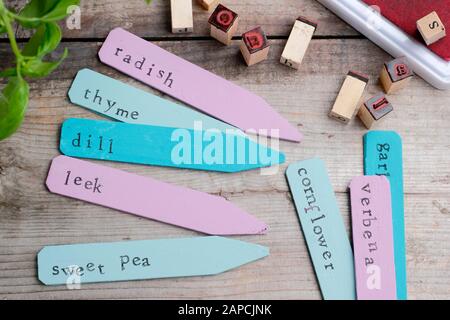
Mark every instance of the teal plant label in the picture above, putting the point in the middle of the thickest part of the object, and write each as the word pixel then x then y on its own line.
pixel 383 156
pixel 163 146
pixel 115 99
pixel 143 259
pixel 323 228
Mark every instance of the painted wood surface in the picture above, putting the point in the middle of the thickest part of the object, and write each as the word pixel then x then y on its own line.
pixel 31 217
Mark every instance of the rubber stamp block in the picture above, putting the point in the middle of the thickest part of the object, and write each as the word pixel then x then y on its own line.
pixel 383 157
pixel 374 109
pixel 254 46
pixel 208 4
pixel 111 98
pixel 298 42
pixel 373 242
pixel 431 28
pixel 198 149
pixel 224 24
pixel 323 228
pixel 349 98
pixel 194 86
pixel 396 75
pixel 404 14
pixel 76 264
pixel 149 198
pixel 182 17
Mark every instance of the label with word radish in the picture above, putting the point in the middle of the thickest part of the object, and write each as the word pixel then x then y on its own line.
pixel 120 101
pixel 323 228
pixel 149 198
pixel 383 157
pixel 373 242
pixel 163 146
pixel 193 85
pixel 76 264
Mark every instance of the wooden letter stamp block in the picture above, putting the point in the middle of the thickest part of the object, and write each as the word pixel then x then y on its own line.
pixel 298 42
pixel 431 28
pixel 224 23
pixel 396 75
pixel 374 109
pixel 254 46
pixel 349 97
pixel 208 4
pixel 182 20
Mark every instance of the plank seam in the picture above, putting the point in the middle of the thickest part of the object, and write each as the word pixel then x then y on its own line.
pixel 193 38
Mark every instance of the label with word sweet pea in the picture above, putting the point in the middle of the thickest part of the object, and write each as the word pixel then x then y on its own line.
pixel 76 264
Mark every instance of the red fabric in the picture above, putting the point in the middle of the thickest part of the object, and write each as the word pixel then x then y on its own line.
pixel 405 13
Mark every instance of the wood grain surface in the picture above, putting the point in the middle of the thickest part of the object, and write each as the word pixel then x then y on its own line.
pixel 275 17
pixel 31 217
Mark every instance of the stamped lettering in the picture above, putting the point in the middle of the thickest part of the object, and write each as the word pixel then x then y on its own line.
pixel 193 85
pixel 229 151
pixel 323 228
pixel 149 198
pixel 143 259
pixel 383 157
pixel 373 242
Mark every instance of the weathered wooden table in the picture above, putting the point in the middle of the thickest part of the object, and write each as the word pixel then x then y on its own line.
pixel 31 217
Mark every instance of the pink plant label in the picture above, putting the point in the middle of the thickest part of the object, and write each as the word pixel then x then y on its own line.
pixel 149 198
pixel 373 238
pixel 193 85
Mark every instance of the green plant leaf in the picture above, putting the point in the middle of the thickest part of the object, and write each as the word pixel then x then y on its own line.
pixel 36 68
pixel 60 10
pixel 38 11
pixel 2 27
pixel 10 72
pixel 13 104
pixel 46 39
pixel 148 1
pixel 37 8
